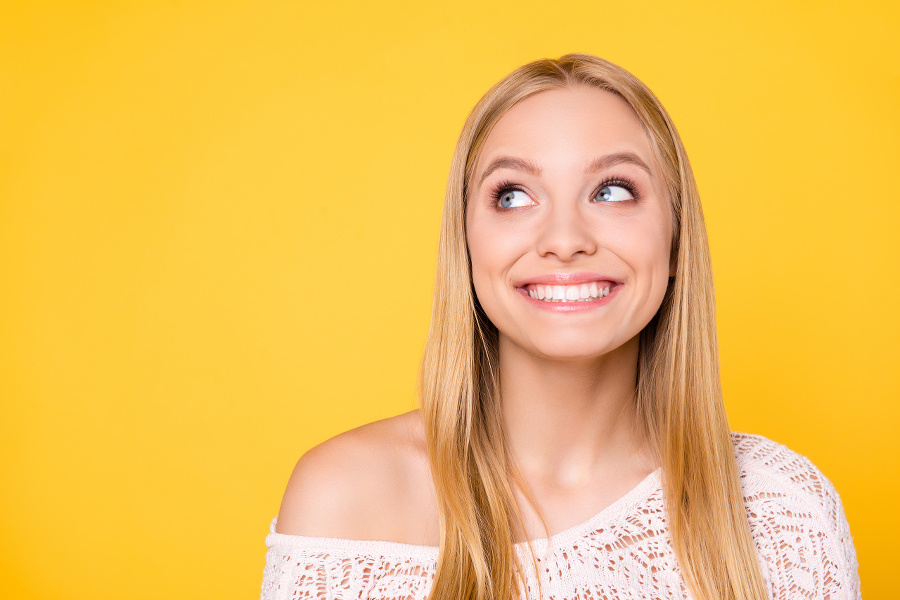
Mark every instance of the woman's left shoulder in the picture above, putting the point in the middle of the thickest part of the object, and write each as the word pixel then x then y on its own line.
pixel 765 466
pixel 771 469
pixel 796 517
pixel 771 473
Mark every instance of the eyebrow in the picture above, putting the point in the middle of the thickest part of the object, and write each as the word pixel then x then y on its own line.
pixel 617 158
pixel 599 164
pixel 508 162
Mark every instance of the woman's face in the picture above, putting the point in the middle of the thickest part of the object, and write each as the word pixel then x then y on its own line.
pixel 568 225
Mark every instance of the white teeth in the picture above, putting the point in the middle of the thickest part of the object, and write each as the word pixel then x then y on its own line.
pixel 568 293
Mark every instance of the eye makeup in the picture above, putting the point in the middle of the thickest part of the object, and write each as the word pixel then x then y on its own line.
pixel 505 186
pixel 622 182
pixel 501 188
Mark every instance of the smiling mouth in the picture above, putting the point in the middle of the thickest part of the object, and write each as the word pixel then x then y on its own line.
pixel 585 292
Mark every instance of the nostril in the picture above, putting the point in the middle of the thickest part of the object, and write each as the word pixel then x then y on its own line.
pixel 566 248
pixel 566 237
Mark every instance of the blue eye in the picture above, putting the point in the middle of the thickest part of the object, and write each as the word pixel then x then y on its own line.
pixel 613 193
pixel 514 199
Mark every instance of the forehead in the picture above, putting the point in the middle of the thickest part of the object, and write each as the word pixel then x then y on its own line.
pixel 569 124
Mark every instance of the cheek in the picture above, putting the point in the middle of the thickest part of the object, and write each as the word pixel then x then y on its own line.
pixel 656 255
pixel 644 243
pixel 493 250
pixel 482 255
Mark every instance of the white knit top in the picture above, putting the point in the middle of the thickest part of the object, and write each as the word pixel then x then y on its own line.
pixel 802 539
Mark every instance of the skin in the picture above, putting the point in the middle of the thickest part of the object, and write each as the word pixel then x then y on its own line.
pixel 568 378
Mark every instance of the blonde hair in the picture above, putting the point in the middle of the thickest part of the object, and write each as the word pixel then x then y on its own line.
pixel 679 397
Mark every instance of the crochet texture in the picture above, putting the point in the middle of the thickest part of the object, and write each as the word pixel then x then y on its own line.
pixel 802 540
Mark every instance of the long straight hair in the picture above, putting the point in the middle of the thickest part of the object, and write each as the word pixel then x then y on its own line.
pixel 678 391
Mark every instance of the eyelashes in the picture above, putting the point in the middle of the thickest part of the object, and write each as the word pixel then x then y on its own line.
pixel 502 194
pixel 505 187
pixel 623 182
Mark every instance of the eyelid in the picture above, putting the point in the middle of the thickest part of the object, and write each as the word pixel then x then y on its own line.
pixel 513 198
pixel 502 187
pixel 625 183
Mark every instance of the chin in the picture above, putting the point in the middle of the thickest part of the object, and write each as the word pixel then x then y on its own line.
pixel 574 350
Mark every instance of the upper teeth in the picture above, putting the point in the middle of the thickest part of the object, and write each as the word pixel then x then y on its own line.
pixel 567 293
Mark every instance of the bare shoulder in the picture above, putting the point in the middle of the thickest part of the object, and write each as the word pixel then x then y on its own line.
pixel 370 483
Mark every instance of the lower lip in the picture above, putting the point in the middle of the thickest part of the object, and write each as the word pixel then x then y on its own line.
pixel 570 306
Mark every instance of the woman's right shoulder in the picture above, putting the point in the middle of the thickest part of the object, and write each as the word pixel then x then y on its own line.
pixel 369 483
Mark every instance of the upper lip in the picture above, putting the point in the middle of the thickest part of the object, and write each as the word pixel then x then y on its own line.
pixel 565 279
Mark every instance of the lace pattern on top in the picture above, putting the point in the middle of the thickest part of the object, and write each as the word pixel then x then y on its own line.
pixel 796 518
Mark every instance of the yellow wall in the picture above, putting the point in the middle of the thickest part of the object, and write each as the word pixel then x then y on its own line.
pixel 218 223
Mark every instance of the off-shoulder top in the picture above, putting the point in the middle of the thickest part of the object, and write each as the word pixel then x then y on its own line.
pixel 802 540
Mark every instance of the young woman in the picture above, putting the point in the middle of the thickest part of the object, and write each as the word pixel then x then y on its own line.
pixel 572 440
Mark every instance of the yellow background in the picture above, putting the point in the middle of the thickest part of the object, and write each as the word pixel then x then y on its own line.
pixel 218 224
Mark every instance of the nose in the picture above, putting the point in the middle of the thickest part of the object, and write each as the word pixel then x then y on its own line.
pixel 566 234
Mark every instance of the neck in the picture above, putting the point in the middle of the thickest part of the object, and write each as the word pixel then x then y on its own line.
pixel 567 421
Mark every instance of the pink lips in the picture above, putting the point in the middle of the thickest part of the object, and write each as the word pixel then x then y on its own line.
pixel 569 279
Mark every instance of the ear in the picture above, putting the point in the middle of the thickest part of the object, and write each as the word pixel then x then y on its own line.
pixel 672 266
